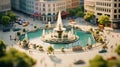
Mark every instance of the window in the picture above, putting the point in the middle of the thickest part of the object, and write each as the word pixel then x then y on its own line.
pixel 43 5
pixel 115 5
pixel 115 16
pixel 119 16
pixel 119 4
pixel 115 11
pixel 119 10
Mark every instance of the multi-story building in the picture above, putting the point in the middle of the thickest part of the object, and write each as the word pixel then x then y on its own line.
pixel 5 5
pixel 111 8
pixel 48 10
pixel 89 5
pixel 81 3
pixel 75 3
pixel 45 9
pixel 16 4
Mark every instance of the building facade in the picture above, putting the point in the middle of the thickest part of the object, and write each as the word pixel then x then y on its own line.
pixel 75 3
pixel 111 8
pixel 48 10
pixel 5 5
pixel 81 3
pixel 89 5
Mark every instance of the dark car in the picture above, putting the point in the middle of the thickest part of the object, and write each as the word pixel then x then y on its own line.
pixel 103 51
pixel 16 29
pixel 79 62
pixel 6 30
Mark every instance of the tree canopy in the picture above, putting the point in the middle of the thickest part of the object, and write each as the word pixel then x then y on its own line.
pixel 103 19
pixel 117 50
pixel 15 58
pixel 89 16
pixel 5 20
pixel 2 48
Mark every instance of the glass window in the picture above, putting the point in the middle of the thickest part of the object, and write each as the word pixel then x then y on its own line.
pixel 115 16
pixel 115 5
pixel 115 11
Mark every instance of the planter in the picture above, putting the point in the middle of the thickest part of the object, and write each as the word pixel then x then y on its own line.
pixel 101 27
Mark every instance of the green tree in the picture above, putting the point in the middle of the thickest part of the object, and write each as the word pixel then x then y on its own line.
pixel 117 50
pixel 103 19
pixel 80 14
pixel 62 49
pixel 72 12
pixel 50 49
pixel 15 58
pixel 98 61
pixel 18 33
pixel 5 20
pixel 12 16
pixel 24 30
pixel 89 16
pixel 2 48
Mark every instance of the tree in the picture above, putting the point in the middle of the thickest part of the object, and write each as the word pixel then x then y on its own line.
pixel 12 16
pixel 2 48
pixel 89 16
pixel 40 47
pixel 80 14
pixel 15 58
pixel 98 61
pixel 18 33
pixel 103 19
pixel 5 20
pixel 72 12
pixel 62 49
pixel 117 50
pixel 50 49
pixel 24 30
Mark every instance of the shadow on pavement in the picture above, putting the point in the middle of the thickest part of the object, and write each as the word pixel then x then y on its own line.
pixel 55 59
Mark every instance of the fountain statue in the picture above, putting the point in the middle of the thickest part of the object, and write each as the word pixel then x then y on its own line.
pixel 59 34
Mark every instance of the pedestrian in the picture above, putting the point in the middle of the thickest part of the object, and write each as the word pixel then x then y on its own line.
pixel 10 37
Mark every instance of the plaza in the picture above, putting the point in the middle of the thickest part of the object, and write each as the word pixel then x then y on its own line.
pixel 60 59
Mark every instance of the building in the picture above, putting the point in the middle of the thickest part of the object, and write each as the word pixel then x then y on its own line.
pixel 111 9
pixel 26 6
pixel 89 5
pixel 81 3
pixel 15 4
pixel 45 10
pixel 5 5
pixel 105 7
pixel 75 3
pixel 48 10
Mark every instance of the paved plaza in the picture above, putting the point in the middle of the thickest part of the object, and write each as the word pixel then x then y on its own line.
pixel 60 59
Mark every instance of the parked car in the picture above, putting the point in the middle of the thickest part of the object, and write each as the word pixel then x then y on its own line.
pixel 25 24
pixel 6 29
pixel 79 62
pixel 111 58
pixel 16 29
pixel 103 51
pixel 20 21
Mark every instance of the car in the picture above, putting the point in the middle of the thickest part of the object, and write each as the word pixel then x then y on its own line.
pixel 111 58
pixel 103 51
pixel 16 29
pixel 25 24
pixel 6 30
pixel 79 62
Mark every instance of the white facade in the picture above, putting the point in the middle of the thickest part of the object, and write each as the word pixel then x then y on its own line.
pixel 5 5
pixel 49 9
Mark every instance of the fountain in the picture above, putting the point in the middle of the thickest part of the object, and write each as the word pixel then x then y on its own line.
pixel 89 41
pixel 59 34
